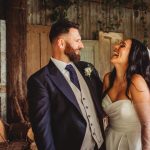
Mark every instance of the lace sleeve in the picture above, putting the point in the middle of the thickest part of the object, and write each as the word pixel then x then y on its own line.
pixel 141 98
pixel 143 110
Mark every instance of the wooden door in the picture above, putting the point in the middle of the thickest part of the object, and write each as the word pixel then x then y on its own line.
pixel 106 42
pixel 90 53
pixel 38 47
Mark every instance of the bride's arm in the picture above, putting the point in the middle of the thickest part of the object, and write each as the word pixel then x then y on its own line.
pixel 140 94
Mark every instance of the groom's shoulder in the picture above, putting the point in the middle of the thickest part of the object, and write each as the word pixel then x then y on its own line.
pixel 40 74
pixel 83 64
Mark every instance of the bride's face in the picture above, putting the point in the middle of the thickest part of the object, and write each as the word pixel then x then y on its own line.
pixel 121 52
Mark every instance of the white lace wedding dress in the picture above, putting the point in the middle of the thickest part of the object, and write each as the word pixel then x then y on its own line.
pixel 124 130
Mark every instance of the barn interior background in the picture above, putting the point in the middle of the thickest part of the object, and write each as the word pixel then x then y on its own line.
pixel 24 44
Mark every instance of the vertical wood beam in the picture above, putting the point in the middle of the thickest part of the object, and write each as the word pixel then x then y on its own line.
pixel 16 27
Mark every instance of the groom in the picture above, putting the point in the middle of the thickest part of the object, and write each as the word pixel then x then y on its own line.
pixel 64 107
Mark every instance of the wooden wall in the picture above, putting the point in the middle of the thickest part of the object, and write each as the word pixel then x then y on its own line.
pixel 38 48
pixel 2 9
pixel 3 69
pixel 16 30
pixel 88 16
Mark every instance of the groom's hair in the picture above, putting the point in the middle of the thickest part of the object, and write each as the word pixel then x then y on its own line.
pixel 60 27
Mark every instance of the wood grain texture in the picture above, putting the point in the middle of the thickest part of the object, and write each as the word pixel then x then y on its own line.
pixel 16 60
pixel 38 47
pixel 88 15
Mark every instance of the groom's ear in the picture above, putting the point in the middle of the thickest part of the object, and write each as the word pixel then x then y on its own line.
pixel 61 43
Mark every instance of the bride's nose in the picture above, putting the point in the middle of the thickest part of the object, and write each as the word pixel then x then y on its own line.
pixel 115 47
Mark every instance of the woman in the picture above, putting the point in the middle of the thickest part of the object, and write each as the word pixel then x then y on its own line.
pixel 127 97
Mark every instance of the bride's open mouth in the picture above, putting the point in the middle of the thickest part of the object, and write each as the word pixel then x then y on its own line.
pixel 115 54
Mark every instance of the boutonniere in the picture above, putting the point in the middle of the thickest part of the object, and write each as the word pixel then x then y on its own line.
pixel 88 70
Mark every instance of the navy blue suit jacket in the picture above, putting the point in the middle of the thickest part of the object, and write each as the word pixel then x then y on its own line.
pixel 54 113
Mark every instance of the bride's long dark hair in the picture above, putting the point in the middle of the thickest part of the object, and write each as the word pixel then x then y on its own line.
pixel 138 63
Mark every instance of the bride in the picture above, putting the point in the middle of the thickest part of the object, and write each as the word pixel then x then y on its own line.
pixel 127 97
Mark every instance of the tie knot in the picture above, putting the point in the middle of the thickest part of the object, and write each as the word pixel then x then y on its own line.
pixel 69 68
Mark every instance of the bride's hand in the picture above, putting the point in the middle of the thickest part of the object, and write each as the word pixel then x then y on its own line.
pixel 105 122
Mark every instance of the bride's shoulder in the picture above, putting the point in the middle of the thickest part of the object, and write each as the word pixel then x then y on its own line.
pixel 106 80
pixel 138 82
pixel 139 88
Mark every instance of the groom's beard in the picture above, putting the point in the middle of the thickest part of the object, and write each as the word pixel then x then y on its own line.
pixel 70 52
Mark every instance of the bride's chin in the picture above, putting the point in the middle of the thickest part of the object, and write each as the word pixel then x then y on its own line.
pixel 112 60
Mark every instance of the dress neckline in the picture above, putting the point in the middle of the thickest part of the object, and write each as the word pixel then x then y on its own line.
pixel 116 100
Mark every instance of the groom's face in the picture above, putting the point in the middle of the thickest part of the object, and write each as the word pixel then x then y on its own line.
pixel 73 45
pixel 73 54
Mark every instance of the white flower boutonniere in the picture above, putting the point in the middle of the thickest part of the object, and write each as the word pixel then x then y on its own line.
pixel 88 70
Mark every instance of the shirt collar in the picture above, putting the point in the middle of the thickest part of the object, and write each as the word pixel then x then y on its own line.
pixel 60 64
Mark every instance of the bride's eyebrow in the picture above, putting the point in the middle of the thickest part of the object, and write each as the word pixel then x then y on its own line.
pixel 122 42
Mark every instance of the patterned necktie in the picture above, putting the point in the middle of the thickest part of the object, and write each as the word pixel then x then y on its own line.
pixel 73 75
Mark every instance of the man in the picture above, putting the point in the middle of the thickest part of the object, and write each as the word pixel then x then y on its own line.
pixel 64 96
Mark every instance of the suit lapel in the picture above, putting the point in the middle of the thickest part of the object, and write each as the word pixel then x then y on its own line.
pixel 58 79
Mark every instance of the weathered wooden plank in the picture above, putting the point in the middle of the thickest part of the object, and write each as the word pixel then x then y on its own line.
pixel 29 12
pixel 16 60
pixel 34 11
pixel 38 47
pixel 88 14
pixel 3 102
pixel 45 49
pixel 33 52
pixel 106 42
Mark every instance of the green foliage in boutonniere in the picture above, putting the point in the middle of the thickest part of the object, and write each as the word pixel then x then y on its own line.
pixel 88 70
